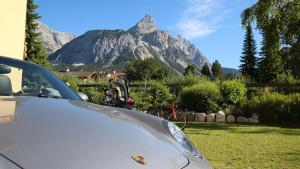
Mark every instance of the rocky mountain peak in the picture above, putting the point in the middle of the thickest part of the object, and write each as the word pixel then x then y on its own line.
pixel 116 47
pixel 51 39
pixel 144 26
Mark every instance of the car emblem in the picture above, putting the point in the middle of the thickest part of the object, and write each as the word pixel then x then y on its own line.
pixel 140 159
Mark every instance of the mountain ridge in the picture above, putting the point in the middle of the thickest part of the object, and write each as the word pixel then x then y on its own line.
pixel 52 40
pixel 143 40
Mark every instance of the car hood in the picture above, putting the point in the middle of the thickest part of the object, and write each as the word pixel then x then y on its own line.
pixel 50 133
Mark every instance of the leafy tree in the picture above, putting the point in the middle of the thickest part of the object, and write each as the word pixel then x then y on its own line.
pixel 35 51
pixel 295 59
pixel 216 69
pixel 206 70
pixel 265 15
pixel 290 33
pixel 248 59
pixel 190 69
pixel 270 64
pixel 146 70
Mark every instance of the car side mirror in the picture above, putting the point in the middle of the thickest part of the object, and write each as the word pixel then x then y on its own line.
pixel 83 96
pixel 4 69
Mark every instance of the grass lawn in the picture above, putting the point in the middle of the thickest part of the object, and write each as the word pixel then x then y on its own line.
pixel 247 146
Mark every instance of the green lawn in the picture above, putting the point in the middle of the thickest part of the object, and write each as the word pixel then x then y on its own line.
pixel 247 146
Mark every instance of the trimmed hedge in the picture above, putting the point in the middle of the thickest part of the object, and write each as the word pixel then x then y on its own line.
pixel 274 107
pixel 202 97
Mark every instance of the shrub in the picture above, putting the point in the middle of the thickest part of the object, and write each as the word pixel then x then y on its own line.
pixel 188 80
pixel 274 107
pixel 159 93
pixel 156 95
pixel 202 97
pixel 233 92
pixel 72 80
pixel 94 95
pixel 103 82
pixel 141 100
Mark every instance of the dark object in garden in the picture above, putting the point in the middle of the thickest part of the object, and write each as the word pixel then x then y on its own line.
pixel 118 94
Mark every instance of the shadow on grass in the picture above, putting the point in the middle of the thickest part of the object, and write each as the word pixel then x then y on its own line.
pixel 202 128
pixel 295 154
pixel 275 131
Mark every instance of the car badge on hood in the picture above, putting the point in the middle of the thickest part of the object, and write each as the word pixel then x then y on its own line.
pixel 140 159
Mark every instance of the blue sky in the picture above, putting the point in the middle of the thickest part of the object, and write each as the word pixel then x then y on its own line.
pixel 212 25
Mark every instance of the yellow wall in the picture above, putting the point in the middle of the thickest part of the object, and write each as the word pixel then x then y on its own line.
pixel 12 27
pixel 12 34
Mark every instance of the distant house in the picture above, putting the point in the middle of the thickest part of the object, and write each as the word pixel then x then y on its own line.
pixel 81 75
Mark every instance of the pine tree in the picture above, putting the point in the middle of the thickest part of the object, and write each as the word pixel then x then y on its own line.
pixel 35 51
pixel 190 69
pixel 248 59
pixel 206 70
pixel 216 69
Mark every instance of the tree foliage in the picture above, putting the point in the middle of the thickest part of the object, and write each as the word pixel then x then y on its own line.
pixel 35 51
pixel 279 22
pixel 190 69
pixel 201 97
pixel 206 70
pixel 248 58
pixel 216 70
pixel 146 70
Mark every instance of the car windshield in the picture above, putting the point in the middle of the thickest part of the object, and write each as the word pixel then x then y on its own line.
pixel 19 78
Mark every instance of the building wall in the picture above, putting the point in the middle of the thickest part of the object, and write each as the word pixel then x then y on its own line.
pixel 12 34
pixel 12 27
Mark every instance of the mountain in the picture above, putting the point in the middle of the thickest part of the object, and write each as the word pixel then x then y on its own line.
pixel 230 71
pixel 51 39
pixel 143 40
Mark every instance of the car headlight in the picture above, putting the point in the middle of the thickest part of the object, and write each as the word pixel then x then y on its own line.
pixel 179 136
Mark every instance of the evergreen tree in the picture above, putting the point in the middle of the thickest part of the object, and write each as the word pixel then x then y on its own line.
pixel 216 69
pixel 190 69
pixel 206 70
pixel 35 51
pixel 248 59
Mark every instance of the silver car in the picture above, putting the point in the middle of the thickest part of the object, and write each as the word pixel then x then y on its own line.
pixel 45 125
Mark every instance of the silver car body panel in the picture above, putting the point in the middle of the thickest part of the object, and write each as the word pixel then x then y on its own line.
pixel 57 133
pixel 6 164
pixel 45 133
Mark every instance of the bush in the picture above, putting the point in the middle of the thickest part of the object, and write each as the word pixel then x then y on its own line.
pixel 202 97
pixel 188 80
pixel 275 108
pixel 157 94
pixel 233 92
pixel 94 95
pixel 141 100
pixel 73 81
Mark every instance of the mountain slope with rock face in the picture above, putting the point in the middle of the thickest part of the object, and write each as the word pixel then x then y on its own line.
pixel 144 40
pixel 51 39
